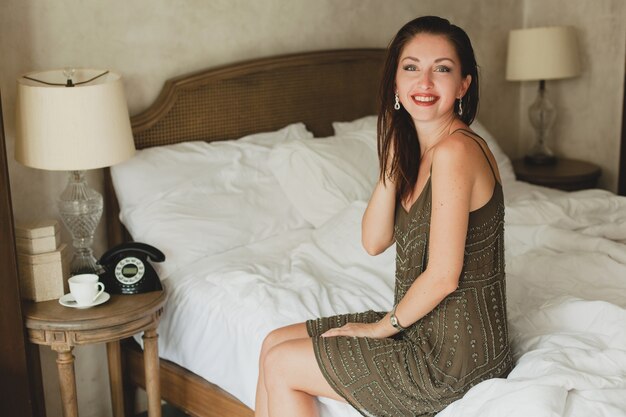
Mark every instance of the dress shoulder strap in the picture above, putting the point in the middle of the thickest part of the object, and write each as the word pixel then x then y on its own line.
pixel 471 135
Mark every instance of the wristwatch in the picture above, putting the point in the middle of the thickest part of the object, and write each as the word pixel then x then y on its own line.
pixel 394 320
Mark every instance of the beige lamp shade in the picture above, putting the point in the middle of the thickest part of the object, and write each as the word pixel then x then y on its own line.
pixel 545 53
pixel 72 128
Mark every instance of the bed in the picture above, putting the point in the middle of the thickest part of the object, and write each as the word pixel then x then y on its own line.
pixel 253 177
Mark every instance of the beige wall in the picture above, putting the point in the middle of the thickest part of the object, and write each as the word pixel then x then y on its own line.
pixel 149 41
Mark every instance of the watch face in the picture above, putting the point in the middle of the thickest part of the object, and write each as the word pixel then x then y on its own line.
pixel 129 270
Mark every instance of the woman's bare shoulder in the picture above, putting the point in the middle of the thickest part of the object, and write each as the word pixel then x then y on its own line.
pixel 455 148
pixel 466 148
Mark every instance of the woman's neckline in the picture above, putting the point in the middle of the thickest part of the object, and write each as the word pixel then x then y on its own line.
pixel 426 184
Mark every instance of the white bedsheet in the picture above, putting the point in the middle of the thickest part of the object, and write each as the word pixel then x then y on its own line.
pixel 566 289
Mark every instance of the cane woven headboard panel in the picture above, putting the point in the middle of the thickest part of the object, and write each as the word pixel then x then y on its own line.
pixel 232 101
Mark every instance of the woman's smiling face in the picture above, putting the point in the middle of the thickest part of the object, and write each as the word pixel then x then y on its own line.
pixel 428 78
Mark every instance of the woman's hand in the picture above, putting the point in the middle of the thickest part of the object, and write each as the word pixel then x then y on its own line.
pixel 378 330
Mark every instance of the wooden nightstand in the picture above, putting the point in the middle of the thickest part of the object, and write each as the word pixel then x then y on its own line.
pixel 51 324
pixel 566 174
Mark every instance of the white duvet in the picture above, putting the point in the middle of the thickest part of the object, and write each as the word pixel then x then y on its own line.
pixel 566 289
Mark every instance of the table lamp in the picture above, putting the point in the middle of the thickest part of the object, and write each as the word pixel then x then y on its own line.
pixel 540 54
pixel 74 120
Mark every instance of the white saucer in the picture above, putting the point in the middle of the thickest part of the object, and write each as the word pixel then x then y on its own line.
pixel 68 300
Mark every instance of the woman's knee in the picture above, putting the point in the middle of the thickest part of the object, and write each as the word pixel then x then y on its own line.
pixel 291 366
pixel 272 339
pixel 270 363
pixel 280 335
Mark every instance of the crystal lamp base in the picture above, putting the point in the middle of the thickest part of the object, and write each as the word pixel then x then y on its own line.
pixel 540 159
pixel 540 154
pixel 542 114
pixel 80 208
pixel 83 262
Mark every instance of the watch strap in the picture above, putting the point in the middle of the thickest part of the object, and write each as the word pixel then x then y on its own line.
pixel 394 320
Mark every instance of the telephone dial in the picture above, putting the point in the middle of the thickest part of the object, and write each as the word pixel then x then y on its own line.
pixel 127 270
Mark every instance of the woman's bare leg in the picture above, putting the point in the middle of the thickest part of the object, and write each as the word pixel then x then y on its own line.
pixel 293 379
pixel 274 338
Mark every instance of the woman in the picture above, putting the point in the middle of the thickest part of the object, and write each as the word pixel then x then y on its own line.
pixel 439 198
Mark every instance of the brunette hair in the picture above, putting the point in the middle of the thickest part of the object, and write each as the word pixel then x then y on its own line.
pixel 395 127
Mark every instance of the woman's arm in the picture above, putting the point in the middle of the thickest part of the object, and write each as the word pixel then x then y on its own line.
pixel 378 219
pixel 379 216
pixel 454 172
pixel 453 176
pixel 451 184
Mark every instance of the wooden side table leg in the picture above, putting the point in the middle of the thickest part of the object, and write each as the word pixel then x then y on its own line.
pixel 67 379
pixel 114 355
pixel 151 364
pixel 39 406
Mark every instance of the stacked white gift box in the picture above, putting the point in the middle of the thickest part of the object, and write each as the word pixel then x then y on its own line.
pixel 42 260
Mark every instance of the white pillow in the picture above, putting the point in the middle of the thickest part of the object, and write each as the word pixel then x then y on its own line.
pixel 505 167
pixel 504 163
pixel 322 176
pixel 364 123
pixel 153 170
pixel 196 199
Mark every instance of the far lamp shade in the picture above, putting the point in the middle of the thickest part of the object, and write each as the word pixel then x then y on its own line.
pixel 540 54
pixel 84 125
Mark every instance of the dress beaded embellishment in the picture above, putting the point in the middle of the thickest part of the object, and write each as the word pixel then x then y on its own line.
pixel 460 343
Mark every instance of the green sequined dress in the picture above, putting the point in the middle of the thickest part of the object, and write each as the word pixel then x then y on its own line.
pixel 460 343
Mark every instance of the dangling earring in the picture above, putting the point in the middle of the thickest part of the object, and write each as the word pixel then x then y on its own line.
pixel 461 106
pixel 397 105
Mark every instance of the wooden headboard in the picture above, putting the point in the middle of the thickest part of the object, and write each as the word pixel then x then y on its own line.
pixel 232 101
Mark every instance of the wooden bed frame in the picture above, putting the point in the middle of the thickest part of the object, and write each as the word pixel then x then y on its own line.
pixel 229 102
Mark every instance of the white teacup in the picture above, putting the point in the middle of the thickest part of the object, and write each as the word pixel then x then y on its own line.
pixel 85 288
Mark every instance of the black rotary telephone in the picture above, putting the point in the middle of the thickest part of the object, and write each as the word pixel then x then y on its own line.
pixel 127 270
